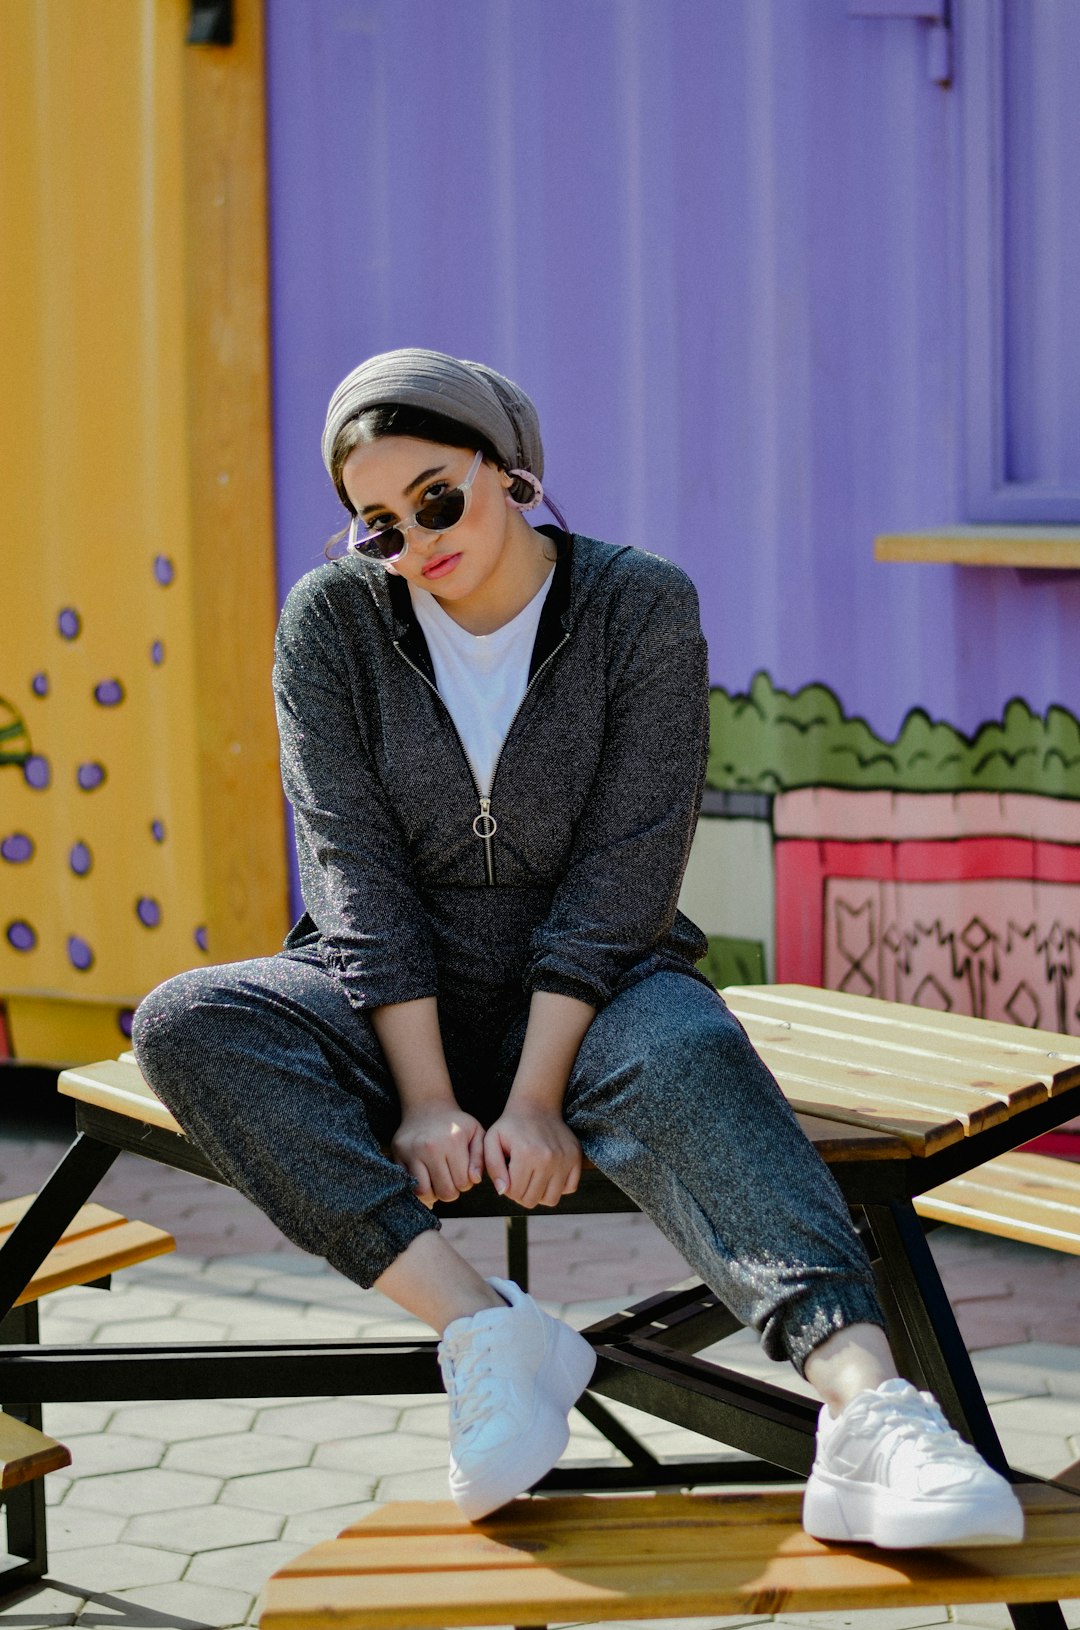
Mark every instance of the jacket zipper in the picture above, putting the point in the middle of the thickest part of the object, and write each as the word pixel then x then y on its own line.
pixel 484 824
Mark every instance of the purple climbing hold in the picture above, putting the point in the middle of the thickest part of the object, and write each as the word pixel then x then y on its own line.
pixel 37 772
pixel 148 911
pixel 79 953
pixel 157 653
pixel 200 937
pixel 90 776
pixel 16 848
pixel 69 623
pixel 21 936
pixel 164 570
pixel 157 831
pixel 124 1019
pixel 40 684
pixel 110 693
pixel 80 859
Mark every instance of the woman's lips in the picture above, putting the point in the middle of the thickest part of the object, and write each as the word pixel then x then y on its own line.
pixel 441 565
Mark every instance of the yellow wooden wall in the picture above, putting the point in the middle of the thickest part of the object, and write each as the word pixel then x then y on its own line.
pixel 143 834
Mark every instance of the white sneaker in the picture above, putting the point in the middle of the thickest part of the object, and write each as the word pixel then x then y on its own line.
pixel 512 1375
pixel 890 1470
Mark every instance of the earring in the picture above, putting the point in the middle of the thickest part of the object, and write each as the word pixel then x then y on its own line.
pixel 537 496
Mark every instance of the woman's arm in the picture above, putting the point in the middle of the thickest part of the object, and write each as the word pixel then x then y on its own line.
pixel 530 1153
pixel 616 900
pixel 355 870
pixel 437 1142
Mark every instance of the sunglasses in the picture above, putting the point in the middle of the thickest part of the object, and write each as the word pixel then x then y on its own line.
pixel 388 543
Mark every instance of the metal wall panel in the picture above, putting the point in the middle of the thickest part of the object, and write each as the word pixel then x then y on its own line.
pixel 721 245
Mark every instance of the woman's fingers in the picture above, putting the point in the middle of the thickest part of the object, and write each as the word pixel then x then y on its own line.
pixel 422 1178
pixel 476 1154
pixel 495 1161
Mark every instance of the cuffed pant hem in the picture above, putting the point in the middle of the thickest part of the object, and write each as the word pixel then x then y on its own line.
pixel 800 1327
pixel 365 1250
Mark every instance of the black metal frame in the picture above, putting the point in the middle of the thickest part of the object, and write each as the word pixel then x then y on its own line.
pixel 647 1354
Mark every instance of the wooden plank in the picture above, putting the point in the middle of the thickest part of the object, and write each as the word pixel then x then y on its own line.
pixel 117 1085
pixel 842 1140
pixel 1011 1082
pixel 1032 1198
pixel 26 1453
pixel 528 1514
pixel 85 1221
pixel 1047 1050
pixel 91 1256
pixel 792 1057
pixel 1028 546
pixel 420 1564
pixel 808 1093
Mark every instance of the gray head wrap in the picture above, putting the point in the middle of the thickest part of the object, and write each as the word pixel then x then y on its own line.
pixel 467 392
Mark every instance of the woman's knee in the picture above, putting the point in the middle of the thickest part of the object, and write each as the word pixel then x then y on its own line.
pixel 172 1020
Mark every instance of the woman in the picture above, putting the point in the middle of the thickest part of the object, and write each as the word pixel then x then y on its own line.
pixel 494 739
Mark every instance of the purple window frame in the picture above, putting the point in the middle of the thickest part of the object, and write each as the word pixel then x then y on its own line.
pixel 990 495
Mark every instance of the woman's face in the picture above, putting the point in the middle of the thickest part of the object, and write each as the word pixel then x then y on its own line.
pixel 388 479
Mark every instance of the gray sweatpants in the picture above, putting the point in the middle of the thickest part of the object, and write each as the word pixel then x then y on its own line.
pixel 285 1088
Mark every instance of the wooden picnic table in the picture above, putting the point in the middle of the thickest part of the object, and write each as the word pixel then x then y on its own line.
pixel 898 1100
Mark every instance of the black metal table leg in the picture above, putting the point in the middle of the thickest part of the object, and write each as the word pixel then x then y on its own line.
pixel 24 1507
pixel 931 1325
pixel 942 1356
pixel 67 1189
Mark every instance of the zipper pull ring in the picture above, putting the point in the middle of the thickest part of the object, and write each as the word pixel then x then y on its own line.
pixel 485 825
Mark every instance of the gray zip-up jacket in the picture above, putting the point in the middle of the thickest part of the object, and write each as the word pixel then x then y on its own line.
pixel 567 879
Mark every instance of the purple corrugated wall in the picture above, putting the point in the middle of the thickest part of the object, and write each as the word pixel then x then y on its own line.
pixel 720 242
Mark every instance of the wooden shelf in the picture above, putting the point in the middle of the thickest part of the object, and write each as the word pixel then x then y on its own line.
pixel 1056 547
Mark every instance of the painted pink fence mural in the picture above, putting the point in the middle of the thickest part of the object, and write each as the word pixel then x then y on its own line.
pixel 969 902
pixel 938 868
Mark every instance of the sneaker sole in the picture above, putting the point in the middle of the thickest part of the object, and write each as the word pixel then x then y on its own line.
pixel 863 1513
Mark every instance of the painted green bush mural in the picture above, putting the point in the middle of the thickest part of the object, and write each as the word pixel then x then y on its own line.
pixel 770 740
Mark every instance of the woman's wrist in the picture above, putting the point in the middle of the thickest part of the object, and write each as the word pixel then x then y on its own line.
pixel 537 1095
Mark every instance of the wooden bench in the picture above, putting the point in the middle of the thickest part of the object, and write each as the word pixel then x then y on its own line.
pixel 420 1564
pixel 95 1245
pixel 1034 1198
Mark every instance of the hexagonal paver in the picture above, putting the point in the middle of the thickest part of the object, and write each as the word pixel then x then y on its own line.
pixel 176 1422
pixel 196 1607
pixel 170 1330
pixel 306 1489
pixel 327 1419
pixel 203 1528
pixel 120 1567
pixel 122 1305
pixel 156 1490
pixel 52 1604
pixel 383 1452
pixel 96 1453
pixel 71 1529
pixel 305 1528
pixel 64 1419
pixel 237 1454
pixel 417 1485
pixel 429 1419
pixel 245 1567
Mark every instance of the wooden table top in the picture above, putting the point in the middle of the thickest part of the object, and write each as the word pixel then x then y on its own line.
pixel 869 1079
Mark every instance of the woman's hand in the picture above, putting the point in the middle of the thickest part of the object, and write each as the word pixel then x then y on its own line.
pixel 442 1148
pixel 532 1156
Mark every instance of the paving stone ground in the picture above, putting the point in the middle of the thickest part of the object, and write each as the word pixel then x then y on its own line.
pixel 172 1515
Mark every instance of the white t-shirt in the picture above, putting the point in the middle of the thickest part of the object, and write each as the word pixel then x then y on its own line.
pixel 481 677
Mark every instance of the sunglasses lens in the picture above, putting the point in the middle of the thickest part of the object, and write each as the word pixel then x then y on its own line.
pixel 443 512
pixel 384 546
